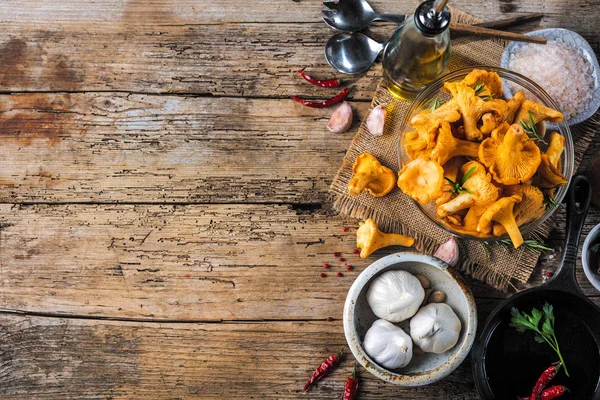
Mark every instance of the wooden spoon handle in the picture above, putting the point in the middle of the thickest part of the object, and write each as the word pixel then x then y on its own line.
pixel 493 33
pixel 509 22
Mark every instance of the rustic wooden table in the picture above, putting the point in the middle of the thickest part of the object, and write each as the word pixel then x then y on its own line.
pixel 164 215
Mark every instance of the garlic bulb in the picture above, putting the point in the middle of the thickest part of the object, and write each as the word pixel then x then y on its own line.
pixel 395 295
pixel 435 328
pixel 388 345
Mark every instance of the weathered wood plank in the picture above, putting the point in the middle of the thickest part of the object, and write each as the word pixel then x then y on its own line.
pixel 168 262
pixel 53 358
pixel 219 48
pixel 112 147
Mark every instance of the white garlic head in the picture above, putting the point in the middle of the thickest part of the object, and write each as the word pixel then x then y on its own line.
pixel 435 328
pixel 395 295
pixel 388 345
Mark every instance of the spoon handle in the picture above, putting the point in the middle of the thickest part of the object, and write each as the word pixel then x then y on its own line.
pixel 395 18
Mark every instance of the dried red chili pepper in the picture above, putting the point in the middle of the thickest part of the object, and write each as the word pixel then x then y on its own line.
pixel 325 103
pixel 553 392
pixel 325 83
pixel 330 363
pixel 543 380
pixel 351 386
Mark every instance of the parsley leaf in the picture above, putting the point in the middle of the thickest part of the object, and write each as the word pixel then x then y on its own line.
pixel 522 322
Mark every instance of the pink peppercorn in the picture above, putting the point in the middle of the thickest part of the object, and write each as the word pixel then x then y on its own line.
pixel 325 265
pixel 348 267
pixel 345 229
pixel 339 274
pixel 323 275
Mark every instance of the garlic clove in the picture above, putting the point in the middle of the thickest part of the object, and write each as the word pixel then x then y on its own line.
pixel 376 120
pixel 341 119
pixel 437 297
pixel 425 282
pixel 426 298
pixel 448 252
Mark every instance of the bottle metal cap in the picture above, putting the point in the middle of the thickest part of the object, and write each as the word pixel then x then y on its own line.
pixel 429 20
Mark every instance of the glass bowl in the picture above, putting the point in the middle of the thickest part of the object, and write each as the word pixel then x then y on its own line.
pixel 533 92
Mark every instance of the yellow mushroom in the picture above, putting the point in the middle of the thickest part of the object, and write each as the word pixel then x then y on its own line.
pixel 422 179
pixel 426 124
pixel 480 191
pixel 530 208
pixel 447 146
pixel 549 175
pixel 369 239
pixel 492 85
pixel 511 158
pixel 371 176
pixel 469 222
pixel 472 108
pixel 451 169
pixel 502 212
pixel 538 113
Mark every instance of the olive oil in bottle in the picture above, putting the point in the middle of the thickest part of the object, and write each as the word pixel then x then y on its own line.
pixel 419 50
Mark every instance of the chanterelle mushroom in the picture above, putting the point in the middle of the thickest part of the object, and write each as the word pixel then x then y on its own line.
pixel 502 212
pixel 469 222
pixel 530 208
pixel 480 191
pixel 492 85
pixel 422 180
pixel 451 169
pixel 549 169
pixel 472 107
pixel 426 124
pixel 511 158
pixel 538 113
pixel 369 239
pixel 371 176
pixel 556 146
pixel 447 146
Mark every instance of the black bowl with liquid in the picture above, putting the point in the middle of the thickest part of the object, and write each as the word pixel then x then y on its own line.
pixel 506 363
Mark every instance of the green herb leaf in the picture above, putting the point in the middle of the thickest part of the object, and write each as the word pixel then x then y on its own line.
pixel 538 339
pixel 549 201
pixel 595 248
pixel 435 103
pixel 529 245
pixel 468 175
pixel 523 322
pixel 478 88
pixel 531 130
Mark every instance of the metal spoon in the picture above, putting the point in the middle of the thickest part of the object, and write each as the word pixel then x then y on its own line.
pixel 352 53
pixel 354 15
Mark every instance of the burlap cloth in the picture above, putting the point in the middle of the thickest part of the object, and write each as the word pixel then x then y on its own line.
pixel 496 264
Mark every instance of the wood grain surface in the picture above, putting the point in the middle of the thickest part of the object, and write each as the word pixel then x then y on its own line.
pixel 164 215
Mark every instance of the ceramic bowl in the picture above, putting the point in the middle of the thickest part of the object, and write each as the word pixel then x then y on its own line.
pixel 575 41
pixel 426 368
pixel 591 271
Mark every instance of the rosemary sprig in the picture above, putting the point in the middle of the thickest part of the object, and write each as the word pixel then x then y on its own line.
pixel 435 103
pixel 522 322
pixel 478 88
pixel 457 187
pixel 595 248
pixel 531 130
pixel 529 245
pixel 549 201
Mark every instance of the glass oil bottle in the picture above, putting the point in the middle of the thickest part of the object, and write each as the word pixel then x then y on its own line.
pixel 418 51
